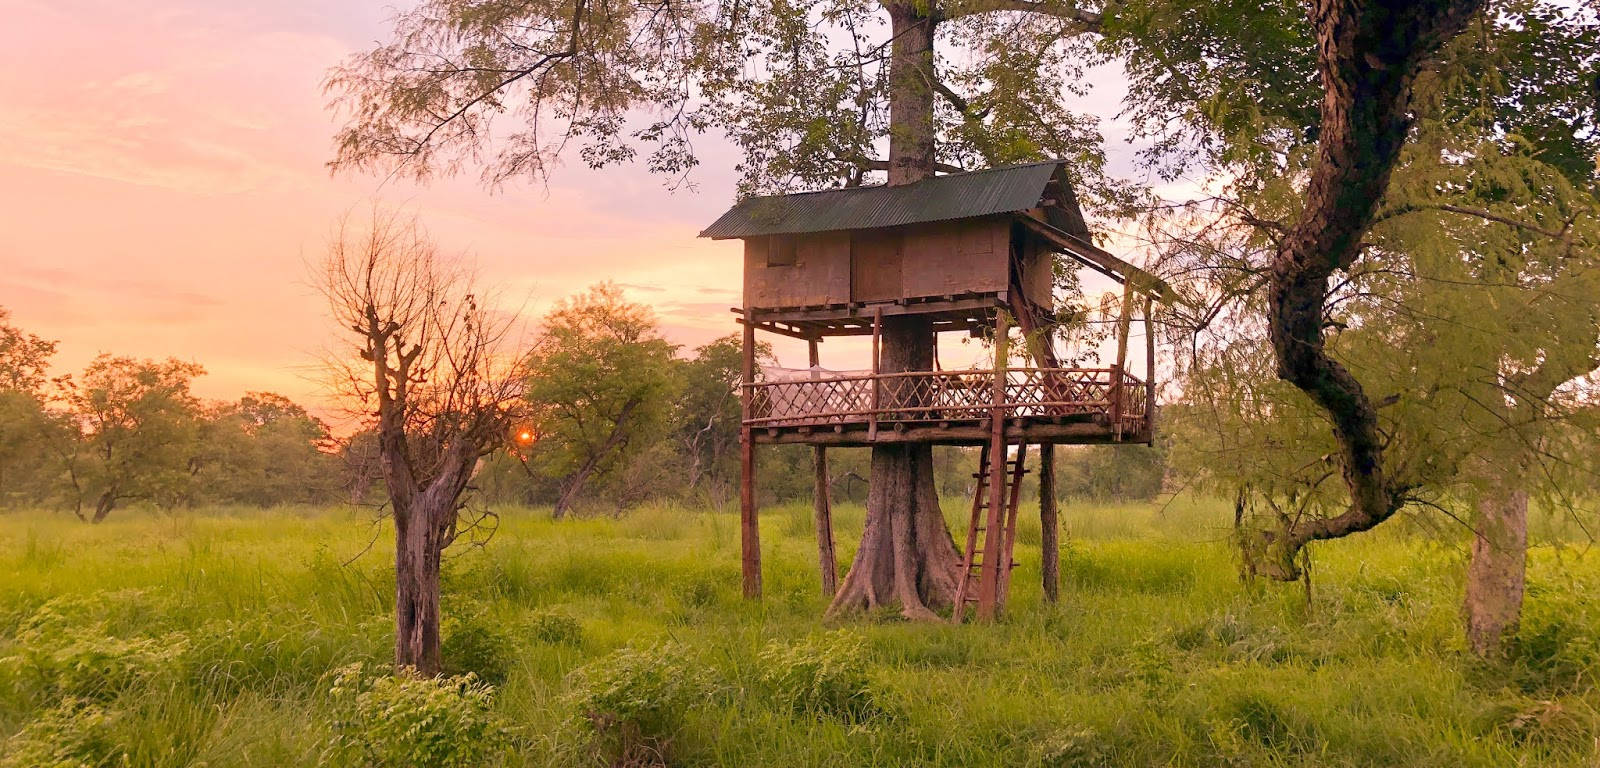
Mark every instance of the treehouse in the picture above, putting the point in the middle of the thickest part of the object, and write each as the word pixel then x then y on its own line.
pixel 970 253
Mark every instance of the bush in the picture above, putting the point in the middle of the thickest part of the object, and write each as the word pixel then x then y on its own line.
pixel 74 734
pixel 555 628
pixel 822 675
pixel 385 720
pixel 630 705
pixel 88 663
pixel 475 645
pixel 1073 747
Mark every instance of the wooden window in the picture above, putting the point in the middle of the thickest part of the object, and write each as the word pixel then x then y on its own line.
pixel 780 251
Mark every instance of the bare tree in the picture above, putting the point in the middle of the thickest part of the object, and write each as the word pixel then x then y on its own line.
pixel 435 374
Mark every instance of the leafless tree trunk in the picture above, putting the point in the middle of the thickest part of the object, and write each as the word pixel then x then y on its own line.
pixel 1369 53
pixel 434 375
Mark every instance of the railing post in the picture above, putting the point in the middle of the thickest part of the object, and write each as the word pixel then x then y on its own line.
pixel 749 520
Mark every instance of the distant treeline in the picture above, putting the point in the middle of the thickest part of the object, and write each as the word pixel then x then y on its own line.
pixel 616 416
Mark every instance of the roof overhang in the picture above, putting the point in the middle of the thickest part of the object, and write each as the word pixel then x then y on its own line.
pixel 1102 261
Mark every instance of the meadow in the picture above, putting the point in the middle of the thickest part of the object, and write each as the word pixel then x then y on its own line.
pixel 230 637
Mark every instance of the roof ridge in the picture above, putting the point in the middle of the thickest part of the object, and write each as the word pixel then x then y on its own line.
pixel 973 172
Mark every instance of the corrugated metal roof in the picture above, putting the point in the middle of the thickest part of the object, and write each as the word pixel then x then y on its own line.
pixel 941 198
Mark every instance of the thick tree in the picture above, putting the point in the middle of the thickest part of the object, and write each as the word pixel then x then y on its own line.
pixel 138 433
pixel 810 91
pixel 1487 214
pixel 433 372
pixel 600 385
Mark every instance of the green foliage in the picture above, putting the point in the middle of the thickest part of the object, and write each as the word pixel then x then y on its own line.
pixel 474 643
pixel 632 705
pixel 72 734
pixel 555 628
pixel 1156 654
pixel 601 385
pixel 1073 747
pixel 387 721
pixel 823 676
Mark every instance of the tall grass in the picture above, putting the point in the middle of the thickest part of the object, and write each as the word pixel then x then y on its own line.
pixel 213 638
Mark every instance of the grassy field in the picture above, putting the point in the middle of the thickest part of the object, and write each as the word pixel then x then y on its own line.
pixel 217 638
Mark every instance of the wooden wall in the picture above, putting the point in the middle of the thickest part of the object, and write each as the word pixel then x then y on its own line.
pixel 930 260
pixel 820 273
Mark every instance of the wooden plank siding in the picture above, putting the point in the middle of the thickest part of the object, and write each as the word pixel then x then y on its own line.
pixel 820 273
pixel 928 261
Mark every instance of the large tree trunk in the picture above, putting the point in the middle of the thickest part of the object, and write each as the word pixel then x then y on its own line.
pixel 416 592
pixel 906 558
pixel 1497 573
pixel 1369 53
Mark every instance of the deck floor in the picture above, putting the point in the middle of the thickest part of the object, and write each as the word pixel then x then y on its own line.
pixel 1035 431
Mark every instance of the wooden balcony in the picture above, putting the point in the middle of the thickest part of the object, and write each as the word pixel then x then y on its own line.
pixel 1039 405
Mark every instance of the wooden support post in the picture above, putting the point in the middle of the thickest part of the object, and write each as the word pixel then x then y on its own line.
pixel 877 385
pixel 1149 374
pixel 1049 525
pixel 823 511
pixel 989 581
pixel 1118 400
pixel 749 521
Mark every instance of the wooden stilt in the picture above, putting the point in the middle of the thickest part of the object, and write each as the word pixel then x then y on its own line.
pixel 749 522
pixel 1149 374
pixel 877 346
pixel 1009 541
pixel 989 580
pixel 822 509
pixel 1119 400
pixel 1049 525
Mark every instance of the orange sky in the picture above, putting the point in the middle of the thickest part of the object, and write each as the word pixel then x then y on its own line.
pixel 162 187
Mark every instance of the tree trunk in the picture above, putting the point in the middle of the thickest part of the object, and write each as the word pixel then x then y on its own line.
pixel 103 506
pixel 1497 573
pixel 906 558
pixel 1369 53
pixel 416 592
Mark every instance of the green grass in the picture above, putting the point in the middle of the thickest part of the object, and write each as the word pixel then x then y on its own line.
pixel 212 638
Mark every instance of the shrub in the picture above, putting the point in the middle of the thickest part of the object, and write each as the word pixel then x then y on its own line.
pixel 1073 747
pixel 630 705
pixel 74 734
pixel 477 646
pixel 386 720
pixel 555 628
pixel 88 663
pixel 822 675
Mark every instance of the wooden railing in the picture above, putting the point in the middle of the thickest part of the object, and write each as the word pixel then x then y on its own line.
pixel 1106 394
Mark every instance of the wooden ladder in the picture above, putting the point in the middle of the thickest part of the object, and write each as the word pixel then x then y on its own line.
pixel 970 588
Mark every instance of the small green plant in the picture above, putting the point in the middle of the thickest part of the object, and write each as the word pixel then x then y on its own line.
pixel 555 628
pixel 85 662
pixel 73 734
pixel 823 675
pixel 477 646
pixel 1073 747
pixel 389 721
pixel 631 705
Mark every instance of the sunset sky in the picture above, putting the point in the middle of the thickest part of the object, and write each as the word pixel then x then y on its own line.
pixel 162 187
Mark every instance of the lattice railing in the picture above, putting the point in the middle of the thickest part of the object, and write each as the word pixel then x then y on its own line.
pixel 939 396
